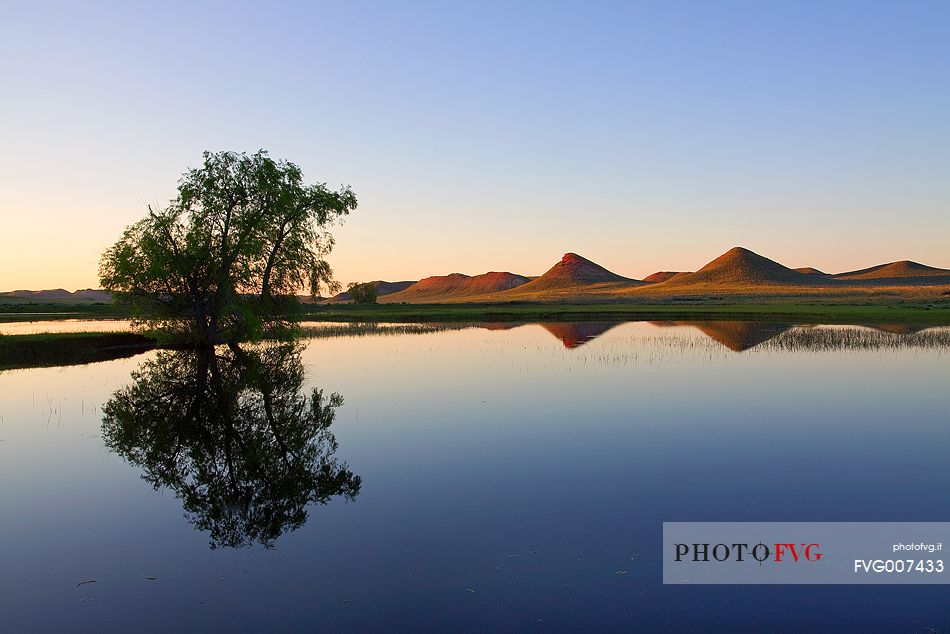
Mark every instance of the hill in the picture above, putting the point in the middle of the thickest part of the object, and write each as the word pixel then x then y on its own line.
pixel 572 270
pixel 809 270
pixel 382 288
pixel 741 267
pixel 662 276
pixel 59 295
pixel 456 286
pixel 903 271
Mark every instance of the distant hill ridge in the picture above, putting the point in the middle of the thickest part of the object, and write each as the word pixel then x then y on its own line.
pixel 662 276
pixel 894 270
pixel 85 294
pixel 458 285
pixel 739 265
pixel 738 271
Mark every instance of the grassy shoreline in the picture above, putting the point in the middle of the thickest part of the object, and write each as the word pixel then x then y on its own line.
pixel 858 314
pixel 69 348
pixel 48 311
pixel 929 313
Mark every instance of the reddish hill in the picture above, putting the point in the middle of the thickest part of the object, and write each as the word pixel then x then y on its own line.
pixel 662 276
pixel 741 267
pixel 809 270
pixel 382 288
pixel 457 285
pixel 493 281
pixel 659 276
pixel 431 286
pixel 572 270
pixel 901 270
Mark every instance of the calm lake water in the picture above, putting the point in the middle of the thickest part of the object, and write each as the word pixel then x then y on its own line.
pixel 494 478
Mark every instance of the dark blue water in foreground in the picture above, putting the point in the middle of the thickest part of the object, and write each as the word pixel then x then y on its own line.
pixel 507 480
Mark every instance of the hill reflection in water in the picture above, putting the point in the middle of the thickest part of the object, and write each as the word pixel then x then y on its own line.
pixel 739 336
pixel 734 335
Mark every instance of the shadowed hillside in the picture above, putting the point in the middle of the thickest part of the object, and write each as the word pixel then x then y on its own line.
pixel 810 270
pixel 904 271
pixel 457 286
pixel 662 276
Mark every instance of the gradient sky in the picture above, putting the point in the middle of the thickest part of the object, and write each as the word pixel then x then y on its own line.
pixel 491 136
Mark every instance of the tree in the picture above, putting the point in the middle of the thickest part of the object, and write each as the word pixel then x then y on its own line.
pixel 225 259
pixel 362 293
pixel 232 433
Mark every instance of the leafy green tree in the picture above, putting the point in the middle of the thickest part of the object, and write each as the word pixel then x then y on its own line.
pixel 234 435
pixel 225 259
pixel 362 293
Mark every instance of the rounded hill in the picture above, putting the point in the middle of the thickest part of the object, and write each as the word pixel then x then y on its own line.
pixel 662 276
pixel 573 270
pixel 894 270
pixel 739 267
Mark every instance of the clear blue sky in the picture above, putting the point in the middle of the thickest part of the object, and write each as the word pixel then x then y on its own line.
pixel 494 136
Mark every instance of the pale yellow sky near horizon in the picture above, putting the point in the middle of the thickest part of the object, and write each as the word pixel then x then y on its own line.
pixel 43 249
pixel 639 135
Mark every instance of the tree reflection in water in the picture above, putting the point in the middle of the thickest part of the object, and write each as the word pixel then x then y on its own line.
pixel 230 431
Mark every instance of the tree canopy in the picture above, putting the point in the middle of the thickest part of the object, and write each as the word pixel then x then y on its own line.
pixel 364 293
pixel 225 259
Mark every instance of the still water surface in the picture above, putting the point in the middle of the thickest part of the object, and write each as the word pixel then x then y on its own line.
pixel 476 479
